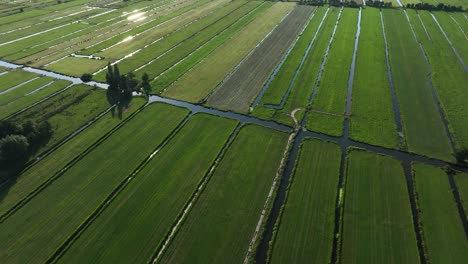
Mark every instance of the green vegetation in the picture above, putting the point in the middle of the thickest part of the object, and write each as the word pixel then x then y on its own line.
pixel 83 187
pixel 28 99
pixel 305 231
pixel 409 71
pixel 377 224
pixel 226 213
pixel 23 90
pixel 444 236
pixel 132 227
pixel 448 76
pixel 196 84
pixel 373 119
pixel 14 78
pixel 333 86
pixel 67 111
pixel 68 153
pixel 461 180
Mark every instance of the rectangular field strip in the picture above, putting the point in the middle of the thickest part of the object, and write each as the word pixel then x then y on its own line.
pixel 305 231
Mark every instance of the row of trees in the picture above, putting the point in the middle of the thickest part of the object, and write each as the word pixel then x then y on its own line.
pixel 121 88
pixel 379 4
pixel 18 142
pixel 440 6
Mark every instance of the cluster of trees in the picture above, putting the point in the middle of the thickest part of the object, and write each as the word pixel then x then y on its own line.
pixel 379 4
pixel 18 142
pixel 462 157
pixel 351 3
pixel 121 87
pixel 440 6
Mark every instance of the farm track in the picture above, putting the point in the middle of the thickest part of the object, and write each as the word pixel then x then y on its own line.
pixel 239 90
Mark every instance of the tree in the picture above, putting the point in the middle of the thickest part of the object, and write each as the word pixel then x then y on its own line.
pixel 462 157
pixel 120 89
pixel 86 77
pixel 13 151
pixel 145 84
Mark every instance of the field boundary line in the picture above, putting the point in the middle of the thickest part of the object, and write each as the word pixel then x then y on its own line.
pixel 243 59
pixel 208 55
pixel 19 85
pixel 117 190
pixel 172 232
pixel 272 193
pixel 65 168
pixel 457 198
pixel 458 25
pixel 29 93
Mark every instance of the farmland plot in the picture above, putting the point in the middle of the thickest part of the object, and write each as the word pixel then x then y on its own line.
pixel 23 89
pixel 422 123
pixel 238 92
pixel 14 78
pixel 226 213
pixel 131 228
pixel 448 77
pixel 33 177
pixel 444 236
pixel 328 106
pixel 461 180
pixel 61 207
pixel 377 224
pixel 373 119
pixel 196 84
pixel 454 33
pixel 305 231
pixel 30 98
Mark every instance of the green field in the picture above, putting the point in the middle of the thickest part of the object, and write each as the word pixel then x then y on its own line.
pixel 333 85
pixel 409 72
pixel 461 180
pixel 373 119
pixel 377 225
pixel 305 231
pixel 443 231
pixel 226 213
pixel 61 207
pixel 23 90
pixel 131 228
pixel 14 78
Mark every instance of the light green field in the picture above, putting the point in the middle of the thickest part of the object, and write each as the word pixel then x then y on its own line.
pixel 226 213
pixel 448 76
pixel 410 72
pixel 23 90
pixel 60 208
pixel 13 78
pixel 444 236
pixel 13 107
pixel 305 233
pixel 131 228
pixel 333 86
pixel 33 177
pixel 171 75
pixel 373 119
pixel 378 225
pixel 196 84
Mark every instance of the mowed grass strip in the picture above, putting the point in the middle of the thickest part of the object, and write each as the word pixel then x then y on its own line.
pixel 222 221
pixel 305 81
pixel 449 77
pixel 378 225
pixel 27 100
pixel 60 208
pixel 461 180
pixel 282 79
pixel 410 72
pixel 136 222
pixel 373 119
pixel 305 232
pixel 14 78
pixel 23 90
pixel 33 177
pixel 333 86
pixel 456 36
pixel 176 71
pixel 238 92
pixel 443 231
pixel 196 84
